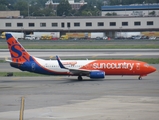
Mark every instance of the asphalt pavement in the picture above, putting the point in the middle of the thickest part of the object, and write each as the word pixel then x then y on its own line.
pixel 66 98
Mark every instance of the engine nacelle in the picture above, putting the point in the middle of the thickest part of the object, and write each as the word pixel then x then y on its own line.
pixel 97 74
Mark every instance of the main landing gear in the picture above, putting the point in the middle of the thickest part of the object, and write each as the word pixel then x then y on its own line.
pixel 80 78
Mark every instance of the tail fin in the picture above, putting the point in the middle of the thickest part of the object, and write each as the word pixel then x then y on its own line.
pixel 17 52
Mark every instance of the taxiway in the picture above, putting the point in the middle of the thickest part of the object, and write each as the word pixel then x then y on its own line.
pixel 65 98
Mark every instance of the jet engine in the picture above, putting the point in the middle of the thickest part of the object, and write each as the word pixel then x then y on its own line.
pixel 97 74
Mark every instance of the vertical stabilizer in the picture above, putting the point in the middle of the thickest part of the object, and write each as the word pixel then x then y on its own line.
pixel 17 52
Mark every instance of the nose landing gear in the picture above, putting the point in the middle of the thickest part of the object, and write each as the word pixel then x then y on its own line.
pixel 140 77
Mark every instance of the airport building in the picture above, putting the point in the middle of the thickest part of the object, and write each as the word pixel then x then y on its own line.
pixel 109 25
pixel 128 19
pixel 10 14
pixel 131 10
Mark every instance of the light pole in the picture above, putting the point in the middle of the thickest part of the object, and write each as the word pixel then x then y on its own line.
pixel 120 31
pixel 32 13
pixel 28 9
pixel 55 12
pixel 22 32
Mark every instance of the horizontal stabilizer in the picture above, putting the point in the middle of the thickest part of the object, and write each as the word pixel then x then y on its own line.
pixel 10 61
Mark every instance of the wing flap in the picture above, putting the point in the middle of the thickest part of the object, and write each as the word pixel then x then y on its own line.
pixel 82 71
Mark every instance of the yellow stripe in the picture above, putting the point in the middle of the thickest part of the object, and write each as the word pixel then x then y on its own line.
pixel 16 78
pixel 137 55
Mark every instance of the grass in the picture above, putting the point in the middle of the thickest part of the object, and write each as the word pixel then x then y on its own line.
pixel 87 46
pixel 94 47
pixel 2 61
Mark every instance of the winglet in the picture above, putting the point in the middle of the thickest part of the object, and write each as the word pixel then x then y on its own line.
pixel 60 63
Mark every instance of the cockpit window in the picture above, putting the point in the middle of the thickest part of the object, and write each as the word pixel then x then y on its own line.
pixel 146 65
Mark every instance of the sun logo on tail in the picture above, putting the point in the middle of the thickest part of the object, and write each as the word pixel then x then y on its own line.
pixel 17 52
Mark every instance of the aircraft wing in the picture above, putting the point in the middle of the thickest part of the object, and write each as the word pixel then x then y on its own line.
pixel 79 71
pixel 74 71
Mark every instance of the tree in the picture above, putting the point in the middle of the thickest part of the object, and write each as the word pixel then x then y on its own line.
pixel 152 13
pixel 2 7
pixel 111 14
pixel 77 0
pixel 38 8
pixel 88 10
pixel 12 2
pixel 3 2
pixel 48 11
pixel 64 8
pixel 22 6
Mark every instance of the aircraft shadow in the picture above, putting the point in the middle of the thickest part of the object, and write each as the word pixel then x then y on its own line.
pixel 69 80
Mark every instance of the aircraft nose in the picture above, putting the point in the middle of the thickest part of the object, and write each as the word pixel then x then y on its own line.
pixel 153 69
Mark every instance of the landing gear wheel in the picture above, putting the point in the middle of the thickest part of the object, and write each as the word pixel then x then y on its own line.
pixel 140 78
pixel 80 78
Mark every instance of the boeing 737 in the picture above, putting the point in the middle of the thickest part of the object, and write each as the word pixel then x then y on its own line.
pixel 95 69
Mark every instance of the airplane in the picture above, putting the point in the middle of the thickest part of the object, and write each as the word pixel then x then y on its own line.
pixel 95 69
